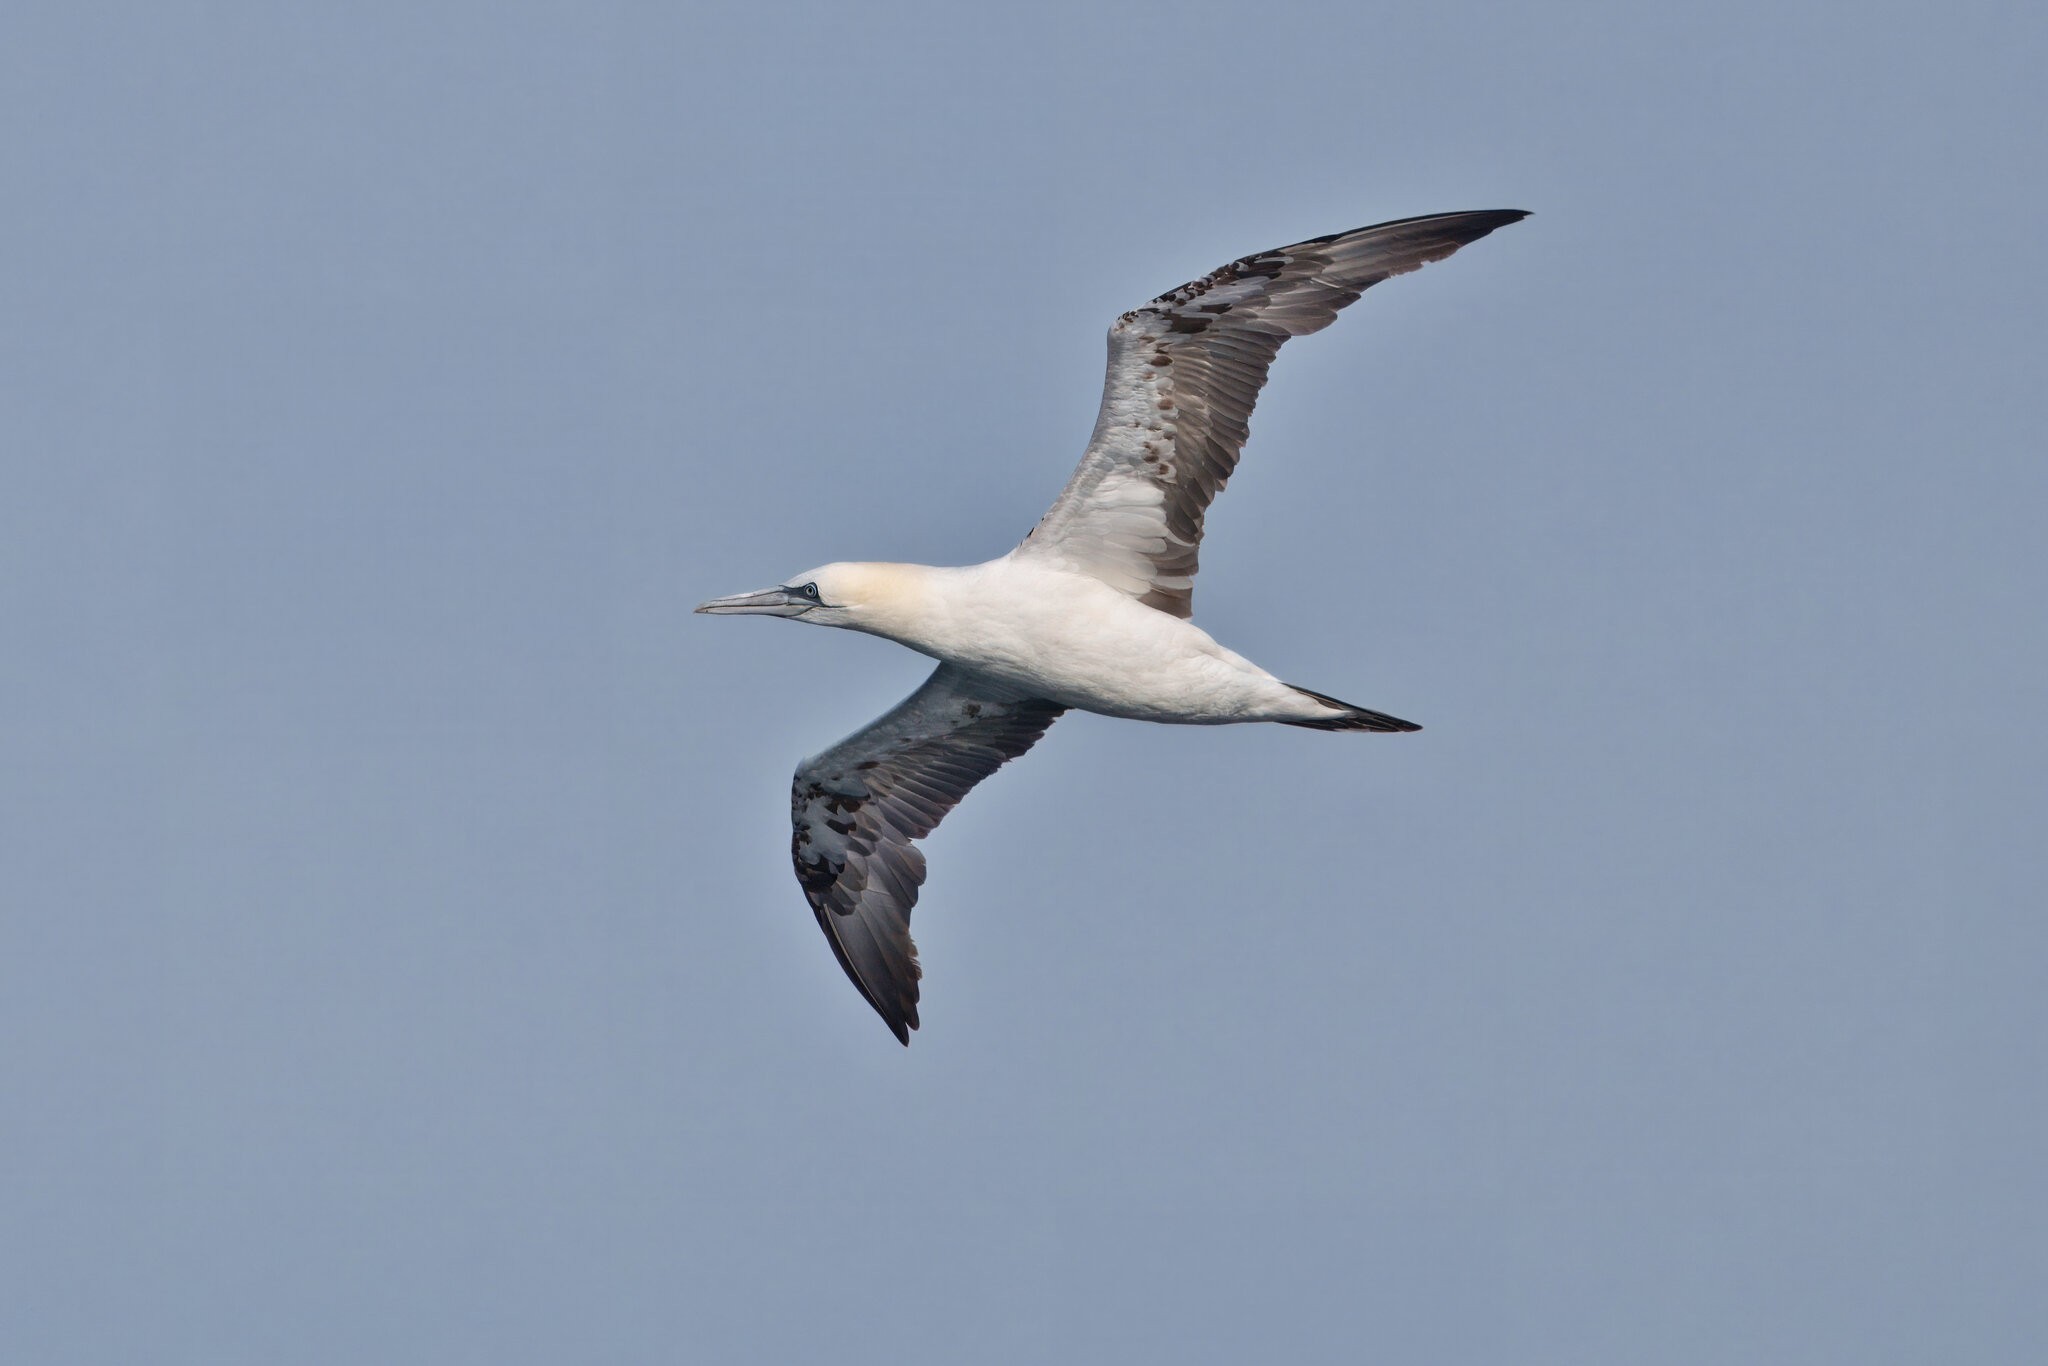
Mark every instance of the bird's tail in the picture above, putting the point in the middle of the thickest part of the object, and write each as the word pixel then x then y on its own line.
pixel 1352 718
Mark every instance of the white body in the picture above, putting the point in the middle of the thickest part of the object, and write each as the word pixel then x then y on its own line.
pixel 1073 639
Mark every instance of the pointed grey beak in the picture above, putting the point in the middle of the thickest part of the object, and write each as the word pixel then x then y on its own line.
pixel 769 602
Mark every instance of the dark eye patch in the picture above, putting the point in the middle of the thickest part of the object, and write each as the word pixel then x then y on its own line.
pixel 809 590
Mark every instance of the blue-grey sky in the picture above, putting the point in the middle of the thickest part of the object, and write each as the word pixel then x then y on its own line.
pixel 399 957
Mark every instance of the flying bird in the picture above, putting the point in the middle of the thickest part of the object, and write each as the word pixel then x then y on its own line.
pixel 1090 611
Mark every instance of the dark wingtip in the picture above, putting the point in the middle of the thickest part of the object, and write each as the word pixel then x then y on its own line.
pixel 1467 225
pixel 1472 226
pixel 902 1019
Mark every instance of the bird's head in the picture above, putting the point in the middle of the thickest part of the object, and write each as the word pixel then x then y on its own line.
pixel 863 597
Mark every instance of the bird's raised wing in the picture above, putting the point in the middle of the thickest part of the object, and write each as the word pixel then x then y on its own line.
pixel 1184 372
pixel 856 808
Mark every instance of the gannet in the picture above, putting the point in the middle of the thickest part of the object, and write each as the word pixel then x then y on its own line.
pixel 1090 612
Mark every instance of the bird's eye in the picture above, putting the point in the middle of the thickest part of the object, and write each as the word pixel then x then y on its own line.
pixel 809 590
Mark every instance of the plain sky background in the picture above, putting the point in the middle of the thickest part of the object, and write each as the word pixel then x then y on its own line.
pixel 399 957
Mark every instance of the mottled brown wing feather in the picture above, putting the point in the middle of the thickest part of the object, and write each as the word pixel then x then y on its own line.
pixel 1184 372
pixel 855 809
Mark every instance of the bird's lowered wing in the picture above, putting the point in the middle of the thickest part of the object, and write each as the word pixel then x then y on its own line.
pixel 1184 372
pixel 856 808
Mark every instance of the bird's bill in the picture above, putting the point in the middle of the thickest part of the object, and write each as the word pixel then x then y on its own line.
pixel 769 602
